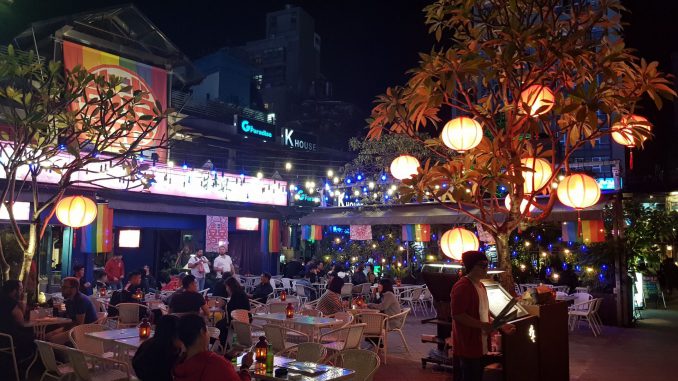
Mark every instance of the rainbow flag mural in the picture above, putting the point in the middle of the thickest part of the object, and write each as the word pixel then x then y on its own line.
pixel 569 232
pixel 417 233
pixel 270 236
pixel 312 232
pixel 593 231
pixel 97 237
pixel 152 81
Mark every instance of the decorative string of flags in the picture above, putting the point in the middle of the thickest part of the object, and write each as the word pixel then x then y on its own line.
pixel 417 233
pixel 270 236
pixel 97 237
pixel 591 231
pixel 312 232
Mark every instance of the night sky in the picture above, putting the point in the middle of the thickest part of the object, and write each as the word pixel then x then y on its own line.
pixel 367 45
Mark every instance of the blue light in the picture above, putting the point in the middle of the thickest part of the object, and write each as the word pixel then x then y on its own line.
pixel 601 277
pixel 550 247
pixel 514 254
pixel 386 197
pixel 515 238
pixel 564 266
pixel 364 189
pixel 502 188
pixel 348 180
pixel 359 177
pixel 383 177
pixel 577 268
pixel 242 175
pixel 539 237
pixel 604 267
pixel 548 271
pixel 185 166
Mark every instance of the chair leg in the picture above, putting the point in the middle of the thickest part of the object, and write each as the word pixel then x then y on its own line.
pixel 28 370
pixel 407 347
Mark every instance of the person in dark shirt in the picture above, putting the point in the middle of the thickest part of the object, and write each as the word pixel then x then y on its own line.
pixel 12 320
pixel 79 308
pixel 85 286
pixel 263 289
pixel 219 288
pixel 188 300
pixel 238 301
pixel 359 276
pixel 163 348
pixel 148 281
pixel 101 281
pixel 294 269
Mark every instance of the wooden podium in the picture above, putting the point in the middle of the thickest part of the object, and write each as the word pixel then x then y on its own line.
pixel 553 341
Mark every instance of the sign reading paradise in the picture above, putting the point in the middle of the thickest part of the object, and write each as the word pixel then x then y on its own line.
pixel 255 129
pixel 299 140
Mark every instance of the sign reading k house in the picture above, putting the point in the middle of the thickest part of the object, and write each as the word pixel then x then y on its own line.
pixel 259 130
pixel 299 140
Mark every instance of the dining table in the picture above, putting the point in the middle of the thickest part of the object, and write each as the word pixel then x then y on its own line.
pixel 311 324
pixel 301 371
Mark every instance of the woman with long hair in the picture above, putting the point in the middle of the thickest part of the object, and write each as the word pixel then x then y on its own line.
pixel 330 302
pixel 156 357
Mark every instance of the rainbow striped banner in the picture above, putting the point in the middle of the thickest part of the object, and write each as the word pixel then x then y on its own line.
pixel 417 233
pixel 97 237
pixel 270 236
pixel 593 231
pixel 312 232
pixel 569 231
pixel 152 81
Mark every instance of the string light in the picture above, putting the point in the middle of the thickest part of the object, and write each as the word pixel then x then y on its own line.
pixel 330 173
pixel 288 166
pixel 260 175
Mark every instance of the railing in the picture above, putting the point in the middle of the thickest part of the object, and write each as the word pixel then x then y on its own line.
pixel 181 101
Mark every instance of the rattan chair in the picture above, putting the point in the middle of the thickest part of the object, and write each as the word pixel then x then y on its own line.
pixel 364 363
pixel 53 368
pixel 375 327
pixel 340 339
pixel 129 314
pixel 307 352
pixel 395 323
pixel 278 335
pixel 81 341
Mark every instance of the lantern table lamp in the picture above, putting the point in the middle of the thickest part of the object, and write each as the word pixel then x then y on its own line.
pixel 261 350
pixel 144 329
pixel 283 296
pixel 289 311
pixel 138 295
pixel 102 292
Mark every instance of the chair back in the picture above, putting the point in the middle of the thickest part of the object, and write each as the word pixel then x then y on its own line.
pixel 596 307
pixel 560 294
pixel 243 332
pixel 276 336
pixel 397 321
pixel 364 363
pixel 286 283
pixel 345 318
pixel 347 289
pixel 213 332
pixel 581 297
pixel 415 294
pixel 79 364
pixel 354 335
pixel 311 352
pixel 241 316
pixel 85 343
pixel 374 322
pixel 310 312
pixel 128 313
pixel 366 288
pixel 277 307
pixel 48 356
pixel 300 290
pixel 581 289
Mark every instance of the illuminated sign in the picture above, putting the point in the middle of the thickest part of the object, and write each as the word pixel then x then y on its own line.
pixel 607 183
pixel 20 209
pixel 129 238
pixel 532 334
pixel 246 223
pixel 259 130
pixel 299 140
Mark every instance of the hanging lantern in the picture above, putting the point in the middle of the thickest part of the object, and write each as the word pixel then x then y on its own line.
pixel 456 241
pixel 523 204
pixel 404 166
pixel 462 134
pixel 578 191
pixel 622 132
pixel 76 211
pixel 539 175
pixel 539 98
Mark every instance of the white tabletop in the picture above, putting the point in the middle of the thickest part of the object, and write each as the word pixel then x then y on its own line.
pixel 115 334
pixel 48 321
pixel 566 297
pixel 315 321
pixel 331 373
pixel 132 342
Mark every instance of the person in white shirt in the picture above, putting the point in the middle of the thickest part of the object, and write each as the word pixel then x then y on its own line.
pixel 223 264
pixel 199 265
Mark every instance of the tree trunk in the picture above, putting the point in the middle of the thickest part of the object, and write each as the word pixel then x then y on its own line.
pixel 4 266
pixel 504 256
pixel 29 252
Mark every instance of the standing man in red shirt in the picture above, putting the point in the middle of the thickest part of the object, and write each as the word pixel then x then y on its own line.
pixel 471 318
pixel 115 270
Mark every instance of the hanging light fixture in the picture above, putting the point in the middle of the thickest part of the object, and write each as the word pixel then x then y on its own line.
pixel 404 166
pixel 538 98
pixel 622 132
pixel 76 211
pixel 462 134
pixel 539 175
pixel 457 241
pixel 578 191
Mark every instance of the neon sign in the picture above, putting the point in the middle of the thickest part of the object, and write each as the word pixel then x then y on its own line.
pixel 248 129
pixel 532 334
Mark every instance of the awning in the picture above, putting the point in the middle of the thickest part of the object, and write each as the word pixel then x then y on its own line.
pixel 432 213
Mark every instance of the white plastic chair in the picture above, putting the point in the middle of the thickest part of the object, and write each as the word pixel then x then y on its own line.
pixel 243 334
pixel 395 323
pixel 427 299
pixel 347 290
pixel 53 368
pixel 375 327
pixel 580 297
pixel 128 314
pixel 214 333
pixel 303 292
pixel 81 341
pixel 581 289
pixel 287 284
pixel 364 363
pixel 96 368
pixel 413 299
pixel 7 347
pixel 587 311
pixel 307 352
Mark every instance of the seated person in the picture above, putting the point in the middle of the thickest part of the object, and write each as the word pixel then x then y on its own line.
pixel 219 288
pixel 12 320
pixel 126 295
pixel 201 364
pixel 238 301
pixel 359 276
pixel 189 299
pixel 163 348
pixel 330 302
pixel 148 281
pixel 312 274
pixel 79 308
pixel 100 282
pixel 85 286
pixel 263 289
pixel 389 302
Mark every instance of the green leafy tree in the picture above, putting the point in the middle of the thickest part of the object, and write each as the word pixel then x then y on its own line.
pixel 488 53
pixel 66 123
pixel 648 233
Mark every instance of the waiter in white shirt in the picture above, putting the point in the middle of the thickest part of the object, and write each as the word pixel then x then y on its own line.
pixel 223 264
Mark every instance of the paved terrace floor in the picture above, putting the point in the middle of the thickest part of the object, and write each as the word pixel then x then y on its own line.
pixel 646 352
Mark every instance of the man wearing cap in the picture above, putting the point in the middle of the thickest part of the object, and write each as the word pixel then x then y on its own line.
pixel 471 318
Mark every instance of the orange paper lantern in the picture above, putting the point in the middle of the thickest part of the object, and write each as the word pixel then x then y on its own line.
pixel 539 175
pixel 622 132
pixel 539 98
pixel 76 211
pixel 462 134
pixel 523 204
pixel 404 166
pixel 578 191
pixel 457 241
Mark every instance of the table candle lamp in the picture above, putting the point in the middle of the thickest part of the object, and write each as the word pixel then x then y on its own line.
pixel 289 311
pixel 144 329
pixel 283 296
pixel 261 350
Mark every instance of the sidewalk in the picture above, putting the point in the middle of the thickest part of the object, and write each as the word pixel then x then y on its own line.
pixel 620 354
